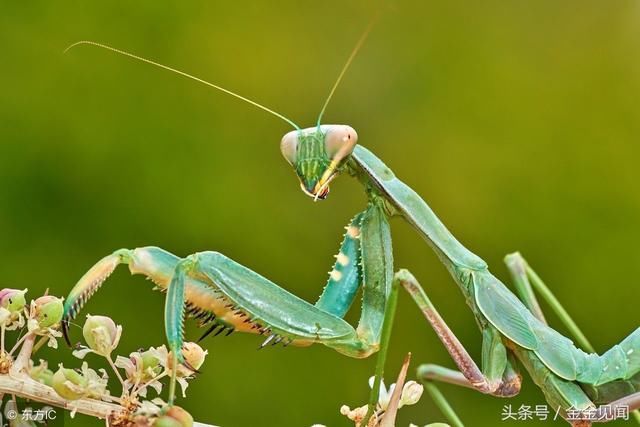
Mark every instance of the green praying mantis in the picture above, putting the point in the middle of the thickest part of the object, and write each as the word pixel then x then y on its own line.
pixel 226 296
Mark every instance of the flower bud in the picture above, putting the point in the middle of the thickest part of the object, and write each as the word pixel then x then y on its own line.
pixel 12 299
pixel 69 384
pixel 411 393
pixel 47 310
pixel 174 417
pixel 101 334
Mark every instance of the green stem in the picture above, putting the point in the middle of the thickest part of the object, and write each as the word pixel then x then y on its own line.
pixel 43 339
pixel 550 298
pixel 172 381
pixel 115 369
pixel 382 355
pixel 442 403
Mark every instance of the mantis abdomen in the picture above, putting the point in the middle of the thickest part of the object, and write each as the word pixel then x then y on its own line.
pixel 507 313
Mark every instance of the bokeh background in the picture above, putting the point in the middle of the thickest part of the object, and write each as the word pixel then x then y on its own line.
pixel 517 121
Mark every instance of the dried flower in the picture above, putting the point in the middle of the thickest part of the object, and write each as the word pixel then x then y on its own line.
pixel 141 368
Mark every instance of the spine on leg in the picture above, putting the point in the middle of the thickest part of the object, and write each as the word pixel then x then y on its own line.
pixel 345 278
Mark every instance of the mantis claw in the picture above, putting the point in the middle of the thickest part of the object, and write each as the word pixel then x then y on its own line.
pixel 88 285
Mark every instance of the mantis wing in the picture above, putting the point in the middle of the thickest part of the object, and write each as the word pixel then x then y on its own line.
pixel 557 352
pixel 507 313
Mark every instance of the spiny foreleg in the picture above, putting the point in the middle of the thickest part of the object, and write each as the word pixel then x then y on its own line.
pixel 201 302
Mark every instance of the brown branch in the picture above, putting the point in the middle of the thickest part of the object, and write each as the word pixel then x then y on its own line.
pixel 27 388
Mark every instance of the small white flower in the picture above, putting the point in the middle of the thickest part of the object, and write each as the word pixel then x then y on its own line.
pixel 53 334
pixel 96 384
pixel 411 393
pixel 384 395
pixel 356 415
pixel 151 408
pixel 4 314
pixel 161 353
pixel 183 385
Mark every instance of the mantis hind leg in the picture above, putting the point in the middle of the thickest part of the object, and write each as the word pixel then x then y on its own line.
pixel 526 280
pixel 497 377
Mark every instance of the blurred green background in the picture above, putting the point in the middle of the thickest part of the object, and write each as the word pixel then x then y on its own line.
pixel 517 121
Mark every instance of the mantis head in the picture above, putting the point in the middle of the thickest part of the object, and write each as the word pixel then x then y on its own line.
pixel 317 154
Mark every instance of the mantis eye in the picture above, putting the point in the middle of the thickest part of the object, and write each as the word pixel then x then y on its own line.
pixel 340 141
pixel 289 147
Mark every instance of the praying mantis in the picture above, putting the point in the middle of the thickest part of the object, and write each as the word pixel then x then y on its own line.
pixel 226 296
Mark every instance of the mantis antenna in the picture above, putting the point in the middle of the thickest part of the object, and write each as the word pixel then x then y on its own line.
pixel 353 54
pixel 182 73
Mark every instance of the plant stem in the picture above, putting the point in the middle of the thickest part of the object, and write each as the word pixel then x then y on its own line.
pixel 43 339
pixel 146 384
pixel 115 369
pixel 23 358
pixel 27 388
pixel 15 347
pixel 442 403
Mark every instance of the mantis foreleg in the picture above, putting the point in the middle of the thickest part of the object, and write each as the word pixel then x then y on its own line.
pixel 221 291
